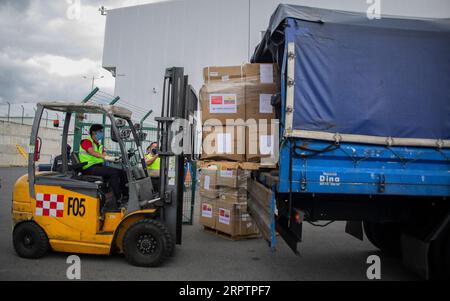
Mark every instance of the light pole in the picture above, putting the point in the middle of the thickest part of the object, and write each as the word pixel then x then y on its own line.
pixel 93 80
pixel 23 112
pixel 9 109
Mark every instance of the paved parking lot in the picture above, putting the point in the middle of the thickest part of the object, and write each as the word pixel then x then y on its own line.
pixel 326 254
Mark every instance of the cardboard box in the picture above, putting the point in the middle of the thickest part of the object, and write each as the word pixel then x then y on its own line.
pixel 224 74
pixel 261 73
pixel 223 143
pixel 231 175
pixel 261 143
pixel 233 195
pixel 222 101
pixel 234 219
pixel 258 101
pixel 208 183
pixel 208 212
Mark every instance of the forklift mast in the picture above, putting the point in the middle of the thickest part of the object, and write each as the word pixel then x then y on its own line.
pixel 177 119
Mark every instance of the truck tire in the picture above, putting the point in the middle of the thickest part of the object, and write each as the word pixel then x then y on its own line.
pixel 447 258
pixel 30 240
pixel 147 243
pixel 384 236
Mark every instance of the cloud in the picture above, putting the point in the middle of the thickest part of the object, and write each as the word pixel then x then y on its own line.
pixel 44 55
pixel 62 66
pixel 47 47
pixel 14 4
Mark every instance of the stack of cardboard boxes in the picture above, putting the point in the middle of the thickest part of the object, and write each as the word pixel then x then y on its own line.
pixel 223 192
pixel 237 118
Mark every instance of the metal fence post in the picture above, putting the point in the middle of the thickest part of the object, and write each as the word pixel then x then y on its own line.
pixel 9 109
pixel 113 102
pixel 145 117
pixel 77 133
pixel 23 112
pixel 193 189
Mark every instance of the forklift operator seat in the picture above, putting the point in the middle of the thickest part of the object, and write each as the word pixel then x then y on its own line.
pixel 77 169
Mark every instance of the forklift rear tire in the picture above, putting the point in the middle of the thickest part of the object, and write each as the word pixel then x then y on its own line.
pixel 30 240
pixel 384 236
pixel 147 243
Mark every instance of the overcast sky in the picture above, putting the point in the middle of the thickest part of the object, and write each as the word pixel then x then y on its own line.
pixel 46 47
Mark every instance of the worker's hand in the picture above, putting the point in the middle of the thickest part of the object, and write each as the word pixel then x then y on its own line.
pixel 111 158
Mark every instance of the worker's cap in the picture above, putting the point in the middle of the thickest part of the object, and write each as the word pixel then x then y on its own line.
pixel 95 128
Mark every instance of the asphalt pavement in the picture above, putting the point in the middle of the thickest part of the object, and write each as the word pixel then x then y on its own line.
pixel 326 254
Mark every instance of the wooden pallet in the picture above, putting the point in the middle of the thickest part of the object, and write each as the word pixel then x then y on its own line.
pixel 256 166
pixel 242 165
pixel 229 236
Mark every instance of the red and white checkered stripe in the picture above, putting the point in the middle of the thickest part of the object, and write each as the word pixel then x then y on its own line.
pixel 49 204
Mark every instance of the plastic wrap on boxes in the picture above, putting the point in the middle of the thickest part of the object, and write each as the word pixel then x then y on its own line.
pixel 223 74
pixel 224 143
pixel 233 195
pixel 261 141
pixel 261 73
pixel 208 183
pixel 233 98
pixel 230 174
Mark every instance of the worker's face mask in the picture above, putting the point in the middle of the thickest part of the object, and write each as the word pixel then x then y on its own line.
pixel 99 136
pixel 155 151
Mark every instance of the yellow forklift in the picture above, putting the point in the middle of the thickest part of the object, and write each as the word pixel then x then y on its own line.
pixel 62 211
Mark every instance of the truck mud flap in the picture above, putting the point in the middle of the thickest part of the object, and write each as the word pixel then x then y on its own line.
pixel 415 255
pixel 261 206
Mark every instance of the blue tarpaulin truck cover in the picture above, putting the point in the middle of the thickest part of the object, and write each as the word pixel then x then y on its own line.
pixel 365 80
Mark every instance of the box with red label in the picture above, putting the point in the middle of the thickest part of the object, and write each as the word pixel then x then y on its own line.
pixel 208 212
pixel 222 101
pixel 233 219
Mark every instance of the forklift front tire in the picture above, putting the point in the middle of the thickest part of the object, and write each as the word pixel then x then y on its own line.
pixel 30 240
pixel 147 243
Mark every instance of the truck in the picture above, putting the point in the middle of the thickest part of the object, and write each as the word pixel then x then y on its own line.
pixel 364 114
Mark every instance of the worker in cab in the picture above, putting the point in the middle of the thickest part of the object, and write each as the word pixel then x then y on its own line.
pixel 94 155
pixel 153 162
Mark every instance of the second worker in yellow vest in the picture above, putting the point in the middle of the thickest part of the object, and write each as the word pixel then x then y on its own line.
pixel 153 164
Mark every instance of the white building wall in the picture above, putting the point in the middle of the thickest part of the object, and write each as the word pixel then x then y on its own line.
pixel 141 41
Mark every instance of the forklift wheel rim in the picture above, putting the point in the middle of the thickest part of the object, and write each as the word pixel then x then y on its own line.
pixel 28 241
pixel 146 244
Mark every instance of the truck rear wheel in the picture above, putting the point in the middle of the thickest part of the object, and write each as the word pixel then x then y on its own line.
pixel 384 236
pixel 30 240
pixel 447 258
pixel 147 243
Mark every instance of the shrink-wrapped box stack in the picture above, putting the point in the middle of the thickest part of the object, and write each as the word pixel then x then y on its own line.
pixel 238 127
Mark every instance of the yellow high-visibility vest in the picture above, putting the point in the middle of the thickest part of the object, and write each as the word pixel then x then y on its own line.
pixel 155 165
pixel 84 156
